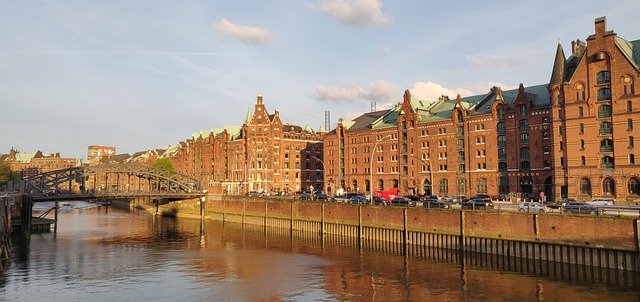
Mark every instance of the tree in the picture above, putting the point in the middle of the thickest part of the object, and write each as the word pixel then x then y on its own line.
pixel 163 164
pixel 6 174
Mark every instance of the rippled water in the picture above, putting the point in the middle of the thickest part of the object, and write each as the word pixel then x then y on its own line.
pixel 101 254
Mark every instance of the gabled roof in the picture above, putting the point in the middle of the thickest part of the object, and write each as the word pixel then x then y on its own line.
pixel 631 50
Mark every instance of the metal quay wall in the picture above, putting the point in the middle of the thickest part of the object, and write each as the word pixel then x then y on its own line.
pixel 5 230
pixel 608 242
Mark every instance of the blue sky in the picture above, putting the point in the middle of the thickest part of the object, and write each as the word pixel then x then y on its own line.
pixel 142 74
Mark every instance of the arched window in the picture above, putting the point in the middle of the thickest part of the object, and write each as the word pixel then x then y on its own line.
pixel 380 184
pixel 634 186
pixel 460 117
pixel 604 111
pixel 628 85
pixel 462 186
pixel 481 186
pixel 500 113
pixel 607 162
pixel 603 77
pixel 606 145
pixel 580 93
pixel 604 94
pixel 395 183
pixel 608 186
pixel 585 186
pixel 443 187
pixel 524 124
pixel 606 128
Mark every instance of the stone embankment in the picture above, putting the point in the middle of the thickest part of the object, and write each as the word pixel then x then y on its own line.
pixel 589 240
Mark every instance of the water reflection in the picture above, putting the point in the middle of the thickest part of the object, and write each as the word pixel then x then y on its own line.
pixel 118 255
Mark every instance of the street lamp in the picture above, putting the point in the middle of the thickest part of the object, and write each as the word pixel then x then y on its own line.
pixel 371 166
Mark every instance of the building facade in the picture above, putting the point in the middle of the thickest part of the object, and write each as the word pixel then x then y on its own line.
pixel 595 115
pixel 29 164
pixel 97 154
pixel 496 144
pixel 264 155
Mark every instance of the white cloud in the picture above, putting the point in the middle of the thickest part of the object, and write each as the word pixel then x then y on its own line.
pixel 377 91
pixel 432 91
pixel 354 12
pixel 244 33
pixel 498 62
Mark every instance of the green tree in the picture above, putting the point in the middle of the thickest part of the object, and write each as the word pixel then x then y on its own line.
pixel 6 174
pixel 163 164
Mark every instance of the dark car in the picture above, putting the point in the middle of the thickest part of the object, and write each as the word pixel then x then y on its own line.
pixel 482 202
pixel 322 197
pixel 358 199
pixel 402 201
pixel 579 208
pixel 431 202
pixel 377 200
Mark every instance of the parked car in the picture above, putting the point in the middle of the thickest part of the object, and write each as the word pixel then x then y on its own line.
pixel 559 204
pixel 402 201
pixel 478 202
pixel 533 207
pixel 377 200
pixel 322 197
pixel 580 208
pixel 431 202
pixel 358 199
pixel 600 202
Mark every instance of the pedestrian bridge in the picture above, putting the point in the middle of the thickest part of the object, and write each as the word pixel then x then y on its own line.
pixel 110 181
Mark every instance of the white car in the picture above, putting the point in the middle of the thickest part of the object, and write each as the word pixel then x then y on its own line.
pixel 533 207
pixel 600 202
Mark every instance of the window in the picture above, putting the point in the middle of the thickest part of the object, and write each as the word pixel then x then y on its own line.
pixel 581 144
pixel 524 138
pixel 633 186
pixel 604 111
pixel 581 128
pixel 583 160
pixel 461 185
pixel 629 124
pixel 603 77
pixel 632 159
pixel 606 145
pixel 629 106
pixel 606 128
pixel 525 165
pixel 523 110
pixel 604 94
pixel 628 85
pixel 630 141
pixel 481 186
pixel 580 95
pixel 524 125
pixel 545 149
pixel 524 152
pixel 443 187
pixel 585 186
pixel 580 111
pixel 501 127
pixel 607 162
pixel 500 113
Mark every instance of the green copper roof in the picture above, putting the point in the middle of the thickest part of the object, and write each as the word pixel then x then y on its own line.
pixel 631 50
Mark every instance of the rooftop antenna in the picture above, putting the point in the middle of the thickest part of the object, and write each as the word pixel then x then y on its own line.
pixel 327 120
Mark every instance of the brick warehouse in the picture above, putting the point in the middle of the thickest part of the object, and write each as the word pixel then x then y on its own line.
pixel 595 114
pixel 262 155
pixel 571 138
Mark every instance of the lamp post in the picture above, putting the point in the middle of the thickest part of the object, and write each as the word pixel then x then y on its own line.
pixel 371 166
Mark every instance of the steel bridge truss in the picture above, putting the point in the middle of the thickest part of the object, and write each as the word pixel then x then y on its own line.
pixel 128 178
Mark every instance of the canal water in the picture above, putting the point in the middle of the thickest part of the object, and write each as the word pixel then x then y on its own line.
pixel 106 254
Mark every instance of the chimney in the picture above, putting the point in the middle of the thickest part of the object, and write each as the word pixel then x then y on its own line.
pixel 601 26
pixel 259 99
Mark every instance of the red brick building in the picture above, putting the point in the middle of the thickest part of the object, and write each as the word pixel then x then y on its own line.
pixel 264 154
pixel 485 144
pixel 28 164
pixel 98 154
pixel 595 110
